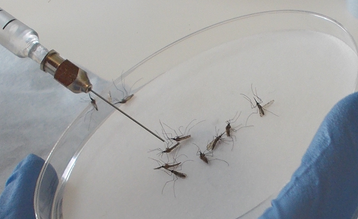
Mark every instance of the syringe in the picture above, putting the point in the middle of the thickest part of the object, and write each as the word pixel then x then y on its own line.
pixel 23 41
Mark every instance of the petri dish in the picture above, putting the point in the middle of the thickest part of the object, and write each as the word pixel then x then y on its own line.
pixel 104 164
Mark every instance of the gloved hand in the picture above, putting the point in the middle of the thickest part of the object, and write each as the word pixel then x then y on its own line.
pixel 17 199
pixel 326 183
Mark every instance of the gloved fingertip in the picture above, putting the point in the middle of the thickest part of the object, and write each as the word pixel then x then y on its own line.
pixel 325 184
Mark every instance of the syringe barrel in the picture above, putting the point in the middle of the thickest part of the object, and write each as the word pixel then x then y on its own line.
pixel 23 41
pixel 17 37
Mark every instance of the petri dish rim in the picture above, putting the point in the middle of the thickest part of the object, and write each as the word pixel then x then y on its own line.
pixel 63 156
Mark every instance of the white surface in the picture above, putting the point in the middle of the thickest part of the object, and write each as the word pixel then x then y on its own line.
pixel 301 70
pixel 108 37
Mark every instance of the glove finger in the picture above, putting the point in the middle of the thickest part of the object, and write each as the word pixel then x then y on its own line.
pixel 326 183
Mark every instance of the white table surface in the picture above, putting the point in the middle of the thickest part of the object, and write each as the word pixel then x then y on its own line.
pixel 109 37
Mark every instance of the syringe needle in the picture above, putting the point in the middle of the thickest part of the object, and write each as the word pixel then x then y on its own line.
pixel 127 115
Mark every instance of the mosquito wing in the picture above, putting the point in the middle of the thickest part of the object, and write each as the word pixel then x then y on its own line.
pixel 210 146
pixel 268 104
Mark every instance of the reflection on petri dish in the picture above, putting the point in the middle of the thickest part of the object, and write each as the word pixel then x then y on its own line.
pixel 303 61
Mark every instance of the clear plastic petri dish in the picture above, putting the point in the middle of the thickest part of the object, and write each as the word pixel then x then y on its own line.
pixel 297 64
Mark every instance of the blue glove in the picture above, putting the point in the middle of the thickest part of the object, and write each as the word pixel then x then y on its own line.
pixel 17 199
pixel 326 183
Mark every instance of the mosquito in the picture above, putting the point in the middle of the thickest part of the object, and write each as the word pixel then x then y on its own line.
pixel 258 102
pixel 125 99
pixel 90 111
pixel 167 150
pixel 177 139
pixel 166 166
pixel 203 155
pixel 127 95
pixel 211 146
pixel 183 135
pixel 94 106
pixel 176 175
pixel 228 127
pixel 170 169
pixel 93 102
